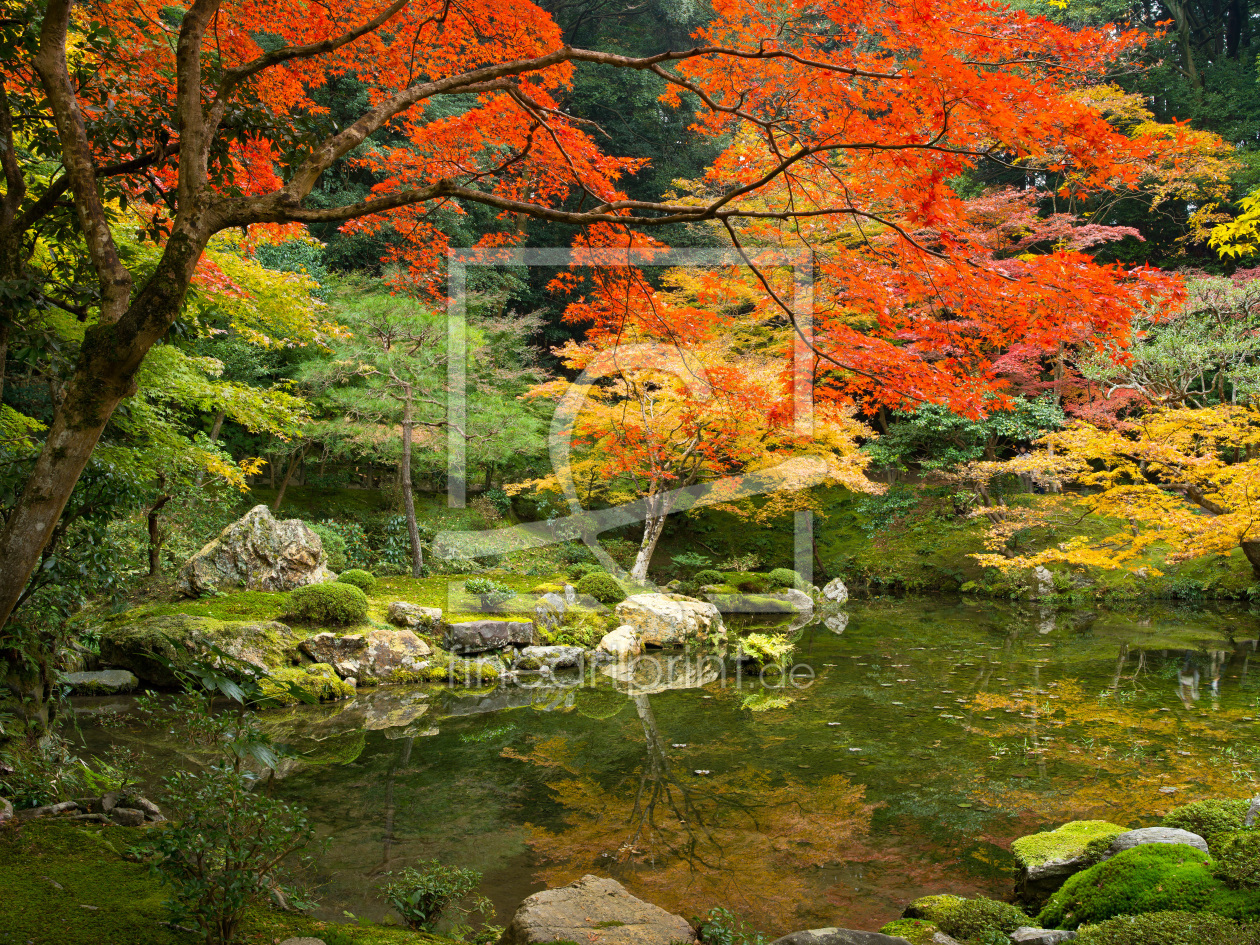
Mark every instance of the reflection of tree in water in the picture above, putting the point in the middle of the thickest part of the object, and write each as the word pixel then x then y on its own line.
pixel 744 839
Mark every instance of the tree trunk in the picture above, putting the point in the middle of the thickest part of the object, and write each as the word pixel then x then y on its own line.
pixel 1252 550
pixel 294 462
pixel 658 507
pixel 409 505
pixel 155 531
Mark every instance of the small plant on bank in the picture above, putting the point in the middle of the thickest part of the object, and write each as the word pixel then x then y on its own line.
pixel 690 560
pixel 602 586
pixel 489 593
pixel 363 580
pixel 430 891
pixel 334 546
pixel 765 648
pixel 334 603
pixel 724 927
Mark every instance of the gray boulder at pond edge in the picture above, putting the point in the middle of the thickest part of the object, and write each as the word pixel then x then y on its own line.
pixel 553 657
pixel 838 937
pixel 669 619
pixel 477 636
pixel 103 682
pixel 258 553
pixel 1136 838
pixel 303 941
pixel 835 591
pixel 1026 935
pixel 595 911
pixel 415 617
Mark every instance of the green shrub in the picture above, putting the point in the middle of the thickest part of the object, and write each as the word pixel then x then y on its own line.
pixel 766 648
pixel 1155 877
pixel 602 587
pixel 708 577
pixel 1208 818
pixel 334 603
pixel 222 854
pixel 977 920
pixel 746 581
pixel 1168 928
pixel 424 894
pixel 1238 858
pixel 724 927
pixel 578 571
pixel 363 580
pixel 490 593
pixel 783 577
pixel 334 546
pixel 932 908
pixel 354 539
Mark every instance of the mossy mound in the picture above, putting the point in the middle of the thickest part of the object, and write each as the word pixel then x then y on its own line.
pixel 603 587
pixel 1209 818
pixel 1079 838
pixel 914 931
pixel 357 577
pixel 1169 928
pixel 318 681
pixel 334 603
pixel 981 919
pixel 931 908
pixel 1156 877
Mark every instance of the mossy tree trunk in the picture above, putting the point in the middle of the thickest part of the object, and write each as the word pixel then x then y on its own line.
pixel 409 503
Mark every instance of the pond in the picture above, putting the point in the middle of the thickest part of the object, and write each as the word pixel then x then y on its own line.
pixel 901 758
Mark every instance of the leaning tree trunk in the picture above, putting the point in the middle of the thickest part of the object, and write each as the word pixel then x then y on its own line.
pixel 155 530
pixel 657 508
pixel 1252 550
pixel 294 462
pixel 409 505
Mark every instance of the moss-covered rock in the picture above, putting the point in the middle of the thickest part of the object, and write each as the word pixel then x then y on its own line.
pixel 1150 878
pixel 914 931
pixel 1209 818
pixel 1047 859
pixel 318 681
pixel 134 644
pixel 931 908
pixel 1169 928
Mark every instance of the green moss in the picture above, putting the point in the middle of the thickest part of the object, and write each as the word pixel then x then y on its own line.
pixel 317 680
pixel 1156 877
pixel 334 603
pixel 547 589
pixel 932 908
pixel 1169 928
pixel 1079 837
pixel 978 919
pixel 603 587
pixel 914 931
pixel 51 870
pixel 1238 858
pixel 1208 818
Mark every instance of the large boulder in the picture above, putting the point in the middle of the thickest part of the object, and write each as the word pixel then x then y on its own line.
pixel 1047 859
pixel 838 937
pixel 622 643
pixel 103 682
pixel 258 553
pixel 1137 838
pixel 549 611
pixel 835 591
pixel 477 636
pixel 380 656
pixel 415 617
pixel 669 619
pixel 134 644
pixel 550 657
pixel 596 911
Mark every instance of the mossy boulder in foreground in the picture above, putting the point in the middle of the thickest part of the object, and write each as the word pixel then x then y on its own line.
pixel 1149 878
pixel 317 682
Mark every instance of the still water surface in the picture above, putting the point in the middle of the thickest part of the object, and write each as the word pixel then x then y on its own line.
pixel 930 736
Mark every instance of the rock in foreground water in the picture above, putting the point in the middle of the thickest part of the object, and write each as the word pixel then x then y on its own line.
pixel 596 911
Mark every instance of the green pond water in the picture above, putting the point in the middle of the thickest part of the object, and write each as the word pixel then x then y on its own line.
pixel 930 736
